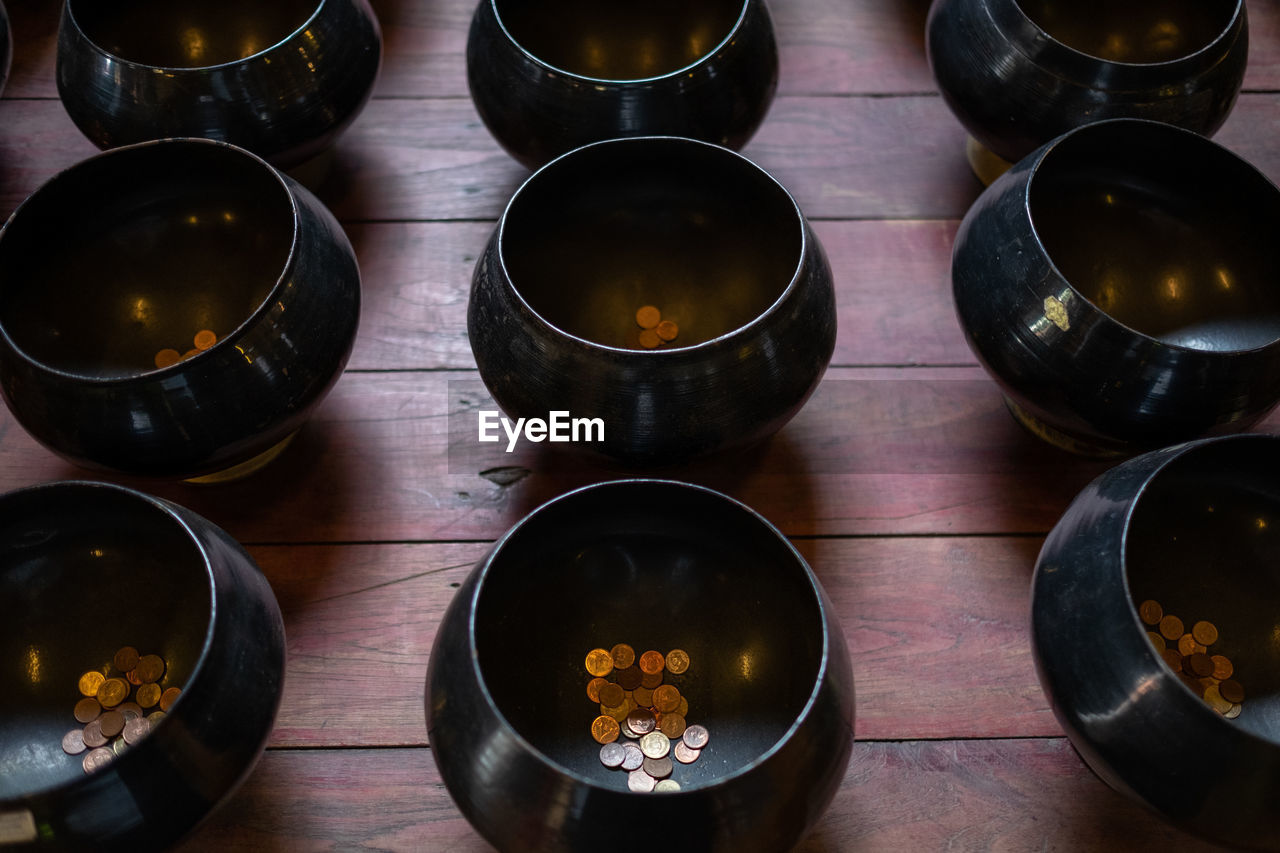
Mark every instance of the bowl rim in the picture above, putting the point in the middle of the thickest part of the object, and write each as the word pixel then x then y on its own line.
pixel 714 150
pixel 753 517
pixel 1037 160
pixel 69 15
pixel 169 510
pixel 627 81
pixel 269 299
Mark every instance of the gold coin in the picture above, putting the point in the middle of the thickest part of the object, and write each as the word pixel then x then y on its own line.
pixel 696 737
pixel 605 729
pixel 612 695
pixel 672 725
pixel 1187 645
pixel 1200 665
pixel 655 745
pixel 647 317
pixel 642 721
pixel 204 339
pixel 167 356
pixel 112 723
pixel 96 759
pixel 640 782
pixel 612 754
pixel 1232 690
pixel 1150 612
pixel 630 677
pixel 112 692
pixel 73 742
pixel 136 729
pixel 623 656
pixel 666 698
pixel 643 696
pixel 651 680
pixel 1216 700
pixel 149 695
pixel 658 768
pixel 92 734
pixel 126 659
pixel 1234 711
pixel 1171 627
pixel 618 713
pixel 649 339
pixel 155 717
pixel 667 330
pixel 593 688
pixel 634 758
pixel 90 682
pixel 677 661
pixel 118 746
pixel 599 662
pixel 150 668
pixel 1156 640
pixel 1206 633
pixel 666 786
pixel 87 709
pixel 684 753
pixel 1222 668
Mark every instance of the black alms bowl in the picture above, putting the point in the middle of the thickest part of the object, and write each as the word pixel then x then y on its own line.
pixel 134 251
pixel 282 78
pixel 549 77
pixel 693 229
pixel 85 569
pixel 1120 285
pixel 657 565
pixel 6 47
pixel 1195 527
pixel 1018 73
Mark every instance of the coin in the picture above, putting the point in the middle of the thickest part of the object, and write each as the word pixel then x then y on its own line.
pixel 649 339
pixel 634 758
pixel 150 668
pixel 605 729
pixel 93 736
pixel 643 696
pixel 630 677
pixel 672 725
pixel 627 731
pixel 136 729
pixel 652 662
pixel 683 710
pixel 666 786
pixel 1150 611
pixel 655 745
pixel 130 710
pixel 96 759
pixel 696 737
pixel 677 661
pixel 73 742
pixel 642 721
pixel 623 656
pixel 1199 664
pixel 112 723
pixel 593 688
pixel 167 356
pixel 667 330
pixel 1171 627
pixel 1172 659
pixel 1187 645
pixel 148 695
pixel 132 677
pixel 666 698
pixel 1234 712
pixel 87 709
pixel 611 694
pixel 640 782
pixel 658 768
pixel 1156 640
pixel 612 754
pixel 112 692
pixel 684 753
pixel 651 679
pixel 90 682
pixel 155 717
pixel 118 746
pixel 1232 690
pixel 1206 633
pixel 168 697
pixel 1222 668
pixel 193 351
pixel 617 714
pixel 648 316
pixel 1219 703
pixel 204 339
pixel 125 659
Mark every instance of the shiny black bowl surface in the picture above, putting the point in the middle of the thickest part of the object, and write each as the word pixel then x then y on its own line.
pixel 135 251
pixel 282 79
pixel 657 565
pixel 1195 527
pixel 1018 73
pixel 86 569
pixel 1119 284
pixel 693 229
pixel 548 78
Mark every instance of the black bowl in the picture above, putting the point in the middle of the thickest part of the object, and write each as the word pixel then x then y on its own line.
pixel 547 78
pixel 135 251
pixel 280 78
pixel 1119 284
pixel 1018 73
pixel 693 229
pixel 85 569
pixel 1195 527
pixel 657 565
pixel 6 47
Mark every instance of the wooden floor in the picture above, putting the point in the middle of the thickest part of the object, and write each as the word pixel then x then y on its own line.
pixel 916 499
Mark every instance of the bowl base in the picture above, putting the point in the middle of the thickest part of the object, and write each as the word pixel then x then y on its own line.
pixel 1057 437
pixel 986 164
pixel 243 469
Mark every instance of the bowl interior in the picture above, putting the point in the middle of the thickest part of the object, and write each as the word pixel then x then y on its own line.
pixel 1139 31
pixel 138 250
pixel 656 566
pixel 85 571
pixel 1164 231
pixel 1204 541
pixel 619 41
pixel 697 232
pixel 190 34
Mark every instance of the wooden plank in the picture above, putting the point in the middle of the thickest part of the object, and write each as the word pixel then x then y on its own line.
pixel 1031 794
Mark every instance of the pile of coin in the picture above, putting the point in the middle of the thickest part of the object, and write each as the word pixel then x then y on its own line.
pixel 204 339
pixel 1209 676
pixel 114 720
pixel 654 331
pixel 647 713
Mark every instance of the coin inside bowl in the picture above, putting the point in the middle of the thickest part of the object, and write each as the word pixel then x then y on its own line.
pixel 1145 32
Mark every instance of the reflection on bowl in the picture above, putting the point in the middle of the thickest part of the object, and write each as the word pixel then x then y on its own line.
pixel 659 565
pixel 1119 285
pixel 139 250
pixel 695 231
pixel 85 569
pixel 552 77
pixel 282 79
pixel 1197 528
pixel 6 47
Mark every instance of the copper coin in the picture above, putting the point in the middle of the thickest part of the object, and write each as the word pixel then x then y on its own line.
pixel 1231 690
pixel 136 729
pixel 605 729
pixel 666 698
pixel 1156 640
pixel 130 710
pixel 73 742
pixel 125 659
pixel 634 758
pixel 658 768
pixel 1206 633
pixel 1187 645
pixel 1222 668
pixel 623 656
pixel 673 725
pixel 93 736
pixel 167 356
pixel 168 696
pixel 630 677
pixel 684 753
pixel 90 682
pixel 112 723
pixel 1172 659
pixel 677 661
pixel 1219 703
pixel 193 351
pixel 87 709
pixel 132 677
pixel 96 759
pixel 149 695
pixel 1201 665
pixel 683 710
pixel 204 339
pixel 666 786
pixel 1150 612
pixel 640 782
pixel 648 316
pixel 612 695
pixel 599 662
pixel 652 662
pixel 650 680
pixel 112 692
pixel 696 737
pixel 649 339
pixel 1194 686
pixel 150 668
pixel 1234 712
pixel 643 696
pixel 1171 627
pixel 655 745
pixel 612 754
pixel 667 330
pixel 642 721
pixel 593 688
